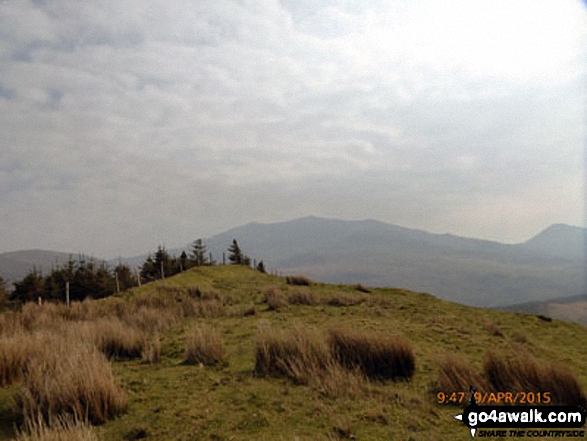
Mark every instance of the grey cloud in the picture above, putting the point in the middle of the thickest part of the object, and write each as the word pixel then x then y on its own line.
pixel 148 123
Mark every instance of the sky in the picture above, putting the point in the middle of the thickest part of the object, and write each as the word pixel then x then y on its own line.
pixel 124 125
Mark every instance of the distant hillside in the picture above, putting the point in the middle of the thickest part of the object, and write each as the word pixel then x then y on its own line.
pixel 570 309
pixel 15 265
pixel 469 271
pixel 560 240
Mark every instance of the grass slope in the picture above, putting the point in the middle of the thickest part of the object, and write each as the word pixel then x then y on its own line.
pixel 174 400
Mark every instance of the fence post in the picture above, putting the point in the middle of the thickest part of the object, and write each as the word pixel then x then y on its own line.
pixel 67 293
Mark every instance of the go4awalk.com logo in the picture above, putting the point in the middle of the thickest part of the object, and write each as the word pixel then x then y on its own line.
pixel 523 421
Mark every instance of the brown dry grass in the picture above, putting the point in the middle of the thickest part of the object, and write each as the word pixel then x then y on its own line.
pixel 68 377
pixel 204 345
pixel 275 299
pixel 380 357
pixel 344 299
pixel 297 280
pixel 299 354
pixel 457 375
pixel 524 373
pixel 492 328
pixel 362 288
pixel 59 429
pixel 14 355
pixel 303 298
pixel 151 353
pixel 116 339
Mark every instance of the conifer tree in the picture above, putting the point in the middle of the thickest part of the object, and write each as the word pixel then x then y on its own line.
pixel 199 253
pixel 236 255
pixel 183 261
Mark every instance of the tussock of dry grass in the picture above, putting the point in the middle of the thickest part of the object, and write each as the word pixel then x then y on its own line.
pixel 59 429
pixel 275 299
pixel 11 324
pixel 298 354
pixel 249 311
pixel 68 377
pixel 362 288
pixel 204 345
pixel 117 340
pixel 377 356
pixel 152 320
pixel 338 382
pixel 457 375
pixel 492 328
pixel 344 299
pixel 524 373
pixel 303 298
pixel 14 355
pixel 151 353
pixel 297 280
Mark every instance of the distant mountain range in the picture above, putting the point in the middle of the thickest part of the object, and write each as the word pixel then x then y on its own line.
pixel 469 271
pixel 17 264
pixel 475 272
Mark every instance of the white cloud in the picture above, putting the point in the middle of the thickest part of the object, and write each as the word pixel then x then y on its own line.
pixel 129 124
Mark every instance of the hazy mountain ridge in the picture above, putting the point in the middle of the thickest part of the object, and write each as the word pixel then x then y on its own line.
pixel 14 265
pixel 472 271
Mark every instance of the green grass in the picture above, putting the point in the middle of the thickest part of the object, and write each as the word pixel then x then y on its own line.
pixel 172 400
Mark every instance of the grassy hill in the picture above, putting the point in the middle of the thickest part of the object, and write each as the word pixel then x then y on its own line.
pixel 165 397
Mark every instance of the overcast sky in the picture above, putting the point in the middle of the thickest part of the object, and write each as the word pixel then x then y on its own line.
pixel 128 124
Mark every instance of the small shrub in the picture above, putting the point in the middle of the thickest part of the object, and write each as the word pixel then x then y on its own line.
pixel 544 318
pixel 298 280
pixel 377 356
pixel 275 299
pixel 524 373
pixel 303 298
pixel 204 345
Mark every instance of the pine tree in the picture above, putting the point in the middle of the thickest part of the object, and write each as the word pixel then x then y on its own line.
pixel 126 278
pixel 148 270
pixel 30 288
pixel 183 261
pixel 162 263
pixel 236 255
pixel 261 267
pixel 199 253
